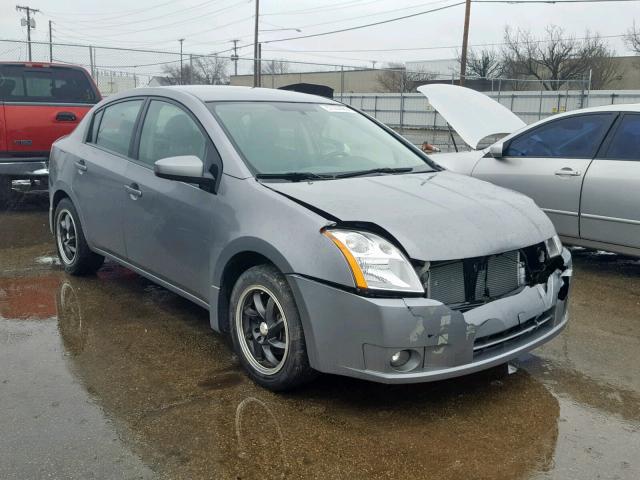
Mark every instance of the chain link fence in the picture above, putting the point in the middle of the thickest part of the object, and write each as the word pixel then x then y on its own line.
pixel 119 69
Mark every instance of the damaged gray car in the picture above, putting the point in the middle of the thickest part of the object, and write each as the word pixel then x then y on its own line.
pixel 318 238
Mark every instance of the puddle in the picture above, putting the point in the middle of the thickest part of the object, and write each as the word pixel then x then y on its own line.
pixel 114 364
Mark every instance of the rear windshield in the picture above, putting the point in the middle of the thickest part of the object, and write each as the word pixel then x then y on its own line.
pixel 46 84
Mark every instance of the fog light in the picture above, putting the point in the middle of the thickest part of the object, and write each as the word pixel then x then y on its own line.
pixel 400 358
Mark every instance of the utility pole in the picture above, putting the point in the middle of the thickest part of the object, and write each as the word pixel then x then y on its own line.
pixel 235 57
pixel 256 66
pixel 181 40
pixel 465 42
pixel 28 22
pixel 50 42
pixel 259 65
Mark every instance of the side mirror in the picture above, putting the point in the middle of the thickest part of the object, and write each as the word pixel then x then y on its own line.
pixel 185 168
pixel 495 150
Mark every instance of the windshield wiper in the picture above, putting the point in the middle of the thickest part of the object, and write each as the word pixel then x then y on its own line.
pixel 374 170
pixel 294 176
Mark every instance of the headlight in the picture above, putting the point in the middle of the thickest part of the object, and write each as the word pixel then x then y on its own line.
pixel 554 246
pixel 375 263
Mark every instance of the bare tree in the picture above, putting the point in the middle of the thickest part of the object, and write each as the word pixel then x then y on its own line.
pixel 210 70
pixel 396 78
pixel 632 38
pixel 556 58
pixel 275 67
pixel 486 63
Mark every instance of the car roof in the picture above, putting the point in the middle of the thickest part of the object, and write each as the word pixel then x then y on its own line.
pixel 216 93
pixel 616 107
pixel 41 64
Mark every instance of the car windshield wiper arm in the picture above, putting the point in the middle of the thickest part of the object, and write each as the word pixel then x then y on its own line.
pixel 374 170
pixel 294 176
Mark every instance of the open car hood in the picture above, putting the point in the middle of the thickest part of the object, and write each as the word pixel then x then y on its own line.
pixel 473 115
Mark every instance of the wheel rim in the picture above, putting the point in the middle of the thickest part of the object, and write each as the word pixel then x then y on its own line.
pixel 262 330
pixel 66 237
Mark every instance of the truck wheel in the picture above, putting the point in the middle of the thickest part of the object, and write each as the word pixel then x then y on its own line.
pixel 266 330
pixel 74 253
pixel 5 191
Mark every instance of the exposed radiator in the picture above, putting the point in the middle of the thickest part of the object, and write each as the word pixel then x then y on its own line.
pixel 473 280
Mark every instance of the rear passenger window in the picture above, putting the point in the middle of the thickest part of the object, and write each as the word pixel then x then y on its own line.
pixel 116 126
pixel 625 144
pixel 45 84
pixel 572 137
pixel 168 131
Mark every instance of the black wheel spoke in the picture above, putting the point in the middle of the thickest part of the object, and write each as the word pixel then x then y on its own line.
pixel 270 357
pixel 270 309
pixel 276 328
pixel 259 305
pixel 275 343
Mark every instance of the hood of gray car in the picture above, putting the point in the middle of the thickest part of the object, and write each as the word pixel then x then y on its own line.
pixel 434 216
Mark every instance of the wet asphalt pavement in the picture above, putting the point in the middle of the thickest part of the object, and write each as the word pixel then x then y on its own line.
pixel 111 376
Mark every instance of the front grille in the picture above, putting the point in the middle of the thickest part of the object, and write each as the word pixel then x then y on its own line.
pixel 475 280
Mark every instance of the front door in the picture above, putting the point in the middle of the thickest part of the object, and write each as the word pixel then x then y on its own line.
pixel 610 210
pixel 548 164
pixel 168 224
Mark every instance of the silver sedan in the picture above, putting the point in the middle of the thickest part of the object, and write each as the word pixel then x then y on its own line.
pixel 581 167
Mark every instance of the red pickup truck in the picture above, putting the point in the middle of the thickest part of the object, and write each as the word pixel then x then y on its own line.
pixel 39 103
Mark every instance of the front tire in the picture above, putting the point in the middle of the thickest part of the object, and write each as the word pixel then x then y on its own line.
pixel 266 330
pixel 73 250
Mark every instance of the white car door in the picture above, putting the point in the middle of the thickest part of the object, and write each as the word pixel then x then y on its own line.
pixel 548 162
pixel 610 210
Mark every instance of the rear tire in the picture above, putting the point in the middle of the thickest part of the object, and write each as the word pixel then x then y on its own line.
pixel 5 191
pixel 73 250
pixel 266 330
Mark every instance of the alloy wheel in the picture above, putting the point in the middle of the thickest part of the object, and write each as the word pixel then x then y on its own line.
pixel 262 330
pixel 66 237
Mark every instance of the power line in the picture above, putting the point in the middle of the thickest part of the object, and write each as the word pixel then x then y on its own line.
pixel 358 27
pixel 515 2
pixel 171 24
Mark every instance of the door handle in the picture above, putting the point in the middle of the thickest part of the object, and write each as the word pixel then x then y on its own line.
pixel 81 166
pixel 568 172
pixel 66 117
pixel 133 190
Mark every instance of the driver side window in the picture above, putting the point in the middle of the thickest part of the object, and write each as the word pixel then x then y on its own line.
pixel 576 136
pixel 168 131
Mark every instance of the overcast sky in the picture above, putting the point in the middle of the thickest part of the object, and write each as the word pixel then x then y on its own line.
pixel 208 26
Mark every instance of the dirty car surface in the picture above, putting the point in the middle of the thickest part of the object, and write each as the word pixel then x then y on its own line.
pixel 319 239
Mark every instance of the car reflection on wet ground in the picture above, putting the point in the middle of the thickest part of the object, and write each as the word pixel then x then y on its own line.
pixel 112 376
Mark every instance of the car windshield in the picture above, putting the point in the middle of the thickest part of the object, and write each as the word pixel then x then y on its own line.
pixel 312 140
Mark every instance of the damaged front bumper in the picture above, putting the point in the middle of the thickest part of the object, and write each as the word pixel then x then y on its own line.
pixel 357 336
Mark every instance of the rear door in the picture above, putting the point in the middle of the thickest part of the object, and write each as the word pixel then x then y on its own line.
pixel 548 163
pixel 168 224
pixel 610 210
pixel 42 104
pixel 99 173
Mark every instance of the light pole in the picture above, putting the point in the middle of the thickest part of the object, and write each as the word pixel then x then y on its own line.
pixel 181 40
